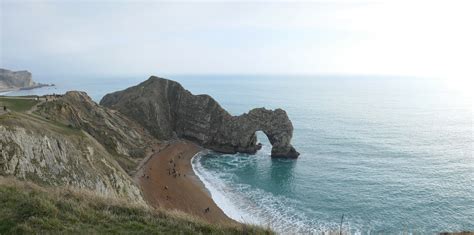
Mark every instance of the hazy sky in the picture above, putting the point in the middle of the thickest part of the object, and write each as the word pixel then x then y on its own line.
pixel 397 37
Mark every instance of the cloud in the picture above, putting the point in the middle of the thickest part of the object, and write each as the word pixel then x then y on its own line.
pixel 422 38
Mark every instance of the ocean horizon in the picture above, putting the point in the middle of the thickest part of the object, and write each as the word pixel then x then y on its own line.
pixel 390 155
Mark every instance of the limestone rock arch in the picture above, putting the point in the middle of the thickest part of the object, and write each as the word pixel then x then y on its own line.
pixel 168 110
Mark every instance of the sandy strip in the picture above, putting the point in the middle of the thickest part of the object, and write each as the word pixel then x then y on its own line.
pixel 168 181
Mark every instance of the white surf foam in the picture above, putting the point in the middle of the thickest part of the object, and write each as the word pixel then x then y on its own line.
pixel 234 202
pixel 251 205
pixel 217 190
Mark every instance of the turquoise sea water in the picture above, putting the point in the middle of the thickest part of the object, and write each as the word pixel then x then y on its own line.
pixel 390 154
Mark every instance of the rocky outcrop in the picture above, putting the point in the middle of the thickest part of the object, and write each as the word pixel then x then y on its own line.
pixel 118 134
pixel 10 80
pixel 69 157
pixel 167 110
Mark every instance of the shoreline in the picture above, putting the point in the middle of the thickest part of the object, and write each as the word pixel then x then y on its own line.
pixel 40 85
pixel 168 181
pixel 227 206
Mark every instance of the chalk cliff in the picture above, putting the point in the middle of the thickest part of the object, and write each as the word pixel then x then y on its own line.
pixel 11 80
pixel 48 154
pixel 168 110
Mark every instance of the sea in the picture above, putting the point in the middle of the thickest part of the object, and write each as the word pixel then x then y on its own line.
pixel 379 154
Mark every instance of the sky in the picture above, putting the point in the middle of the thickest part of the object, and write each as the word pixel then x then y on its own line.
pixel 386 37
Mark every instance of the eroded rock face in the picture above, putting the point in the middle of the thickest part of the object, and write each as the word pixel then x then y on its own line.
pixel 50 156
pixel 167 110
pixel 118 134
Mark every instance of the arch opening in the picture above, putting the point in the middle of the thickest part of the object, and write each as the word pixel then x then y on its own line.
pixel 262 141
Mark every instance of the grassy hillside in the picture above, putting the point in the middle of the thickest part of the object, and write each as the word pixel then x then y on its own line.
pixel 19 104
pixel 28 208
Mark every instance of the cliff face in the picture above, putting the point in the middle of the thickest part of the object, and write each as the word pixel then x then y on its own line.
pixel 115 132
pixel 14 80
pixel 50 157
pixel 168 110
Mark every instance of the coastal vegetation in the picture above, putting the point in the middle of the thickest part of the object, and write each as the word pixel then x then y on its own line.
pixel 26 207
pixel 18 104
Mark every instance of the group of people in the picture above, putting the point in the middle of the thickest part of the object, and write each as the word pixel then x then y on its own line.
pixel 172 171
pixel 145 176
pixel 175 173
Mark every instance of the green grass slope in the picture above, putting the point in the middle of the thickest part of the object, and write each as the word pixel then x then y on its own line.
pixel 27 208
pixel 19 104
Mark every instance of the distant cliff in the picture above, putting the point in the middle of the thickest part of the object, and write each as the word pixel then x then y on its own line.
pixel 167 110
pixel 10 80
